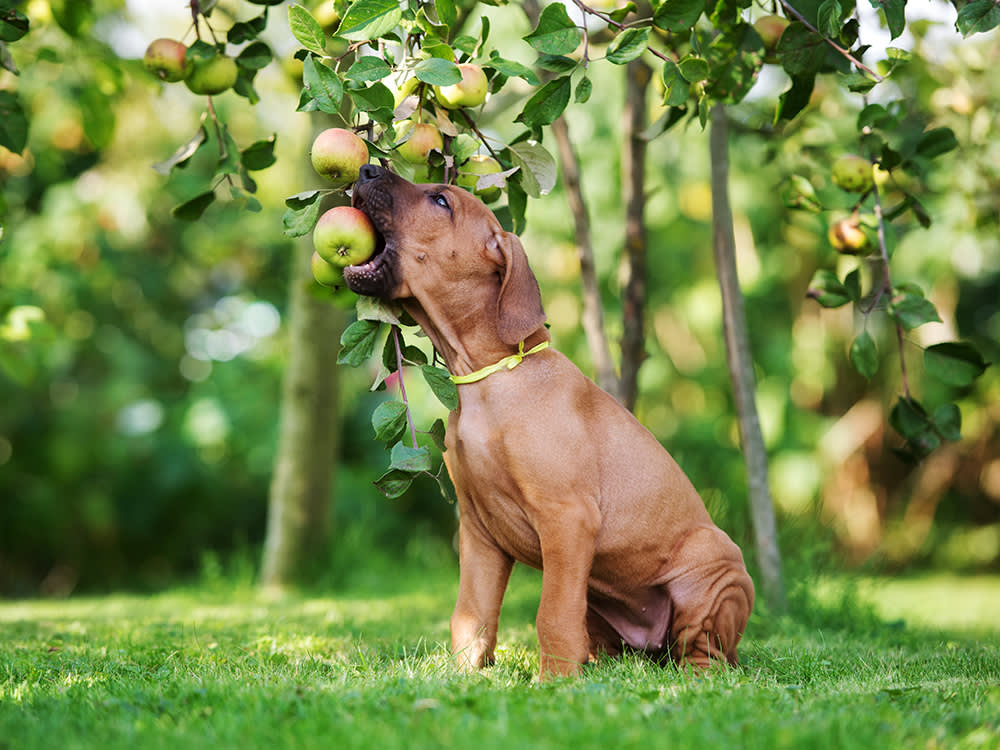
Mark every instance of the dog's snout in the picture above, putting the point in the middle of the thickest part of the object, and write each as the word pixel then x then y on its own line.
pixel 370 172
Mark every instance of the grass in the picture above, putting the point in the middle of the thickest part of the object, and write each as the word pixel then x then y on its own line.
pixel 227 669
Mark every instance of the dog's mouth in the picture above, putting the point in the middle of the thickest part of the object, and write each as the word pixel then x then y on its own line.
pixel 374 277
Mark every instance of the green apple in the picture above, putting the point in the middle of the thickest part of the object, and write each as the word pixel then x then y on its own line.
pixel 769 29
pixel 847 237
pixel 423 138
pixel 212 75
pixel 325 273
pixel 853 173
pixel 327 16
pixel 344 236
pixel 469 92
pixel 167 60
pixel 470 172
pixel 338 155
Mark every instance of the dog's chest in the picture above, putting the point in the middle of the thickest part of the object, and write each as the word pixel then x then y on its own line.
pixel 480 471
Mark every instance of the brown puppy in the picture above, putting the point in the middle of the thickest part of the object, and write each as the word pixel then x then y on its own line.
pixel 549 469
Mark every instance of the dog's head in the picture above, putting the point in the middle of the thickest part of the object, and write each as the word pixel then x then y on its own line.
pixel 440 244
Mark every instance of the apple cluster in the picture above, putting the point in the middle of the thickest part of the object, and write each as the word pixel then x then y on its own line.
pixel 343 235
pixel 171 61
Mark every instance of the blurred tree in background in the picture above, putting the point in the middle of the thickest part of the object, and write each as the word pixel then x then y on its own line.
pixel 141 357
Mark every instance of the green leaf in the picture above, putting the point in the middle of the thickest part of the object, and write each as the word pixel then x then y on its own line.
pixel 384 311
pixel 405 458
pixel 367 69
pixel 446 11
pixel 75 17
pixel 98 116
pixel 547 104
pixel 800 51
pixel 675 88
pixel 229 159
pixel 306 29
pixel 912 310
pixel 735 57
pixel 852 283
pixel 831 17
pixel 864 355
pixel 357 342
pixel 555 33
pixel 13 24
pixel 259 154
pixel 441 385
pixel 192 210
pixel 677 16
pixel 437 72
pixel 858 83
pixel 437 432
pixel 908 417
pixel 556 63
pixel 826 289
pixel 628 45
pixel 894 12
pixel 298 222
pixel 583 90
pixel 538 169
pixel 798 192
pixel 694 69
pixel 512 69
pixel 184 152
pixel 323 85
pixel 796 98
pixel 371 98
pixel 254 56
pixel 936 142
pixel 947 420
pixel 389 421
pixel 244 31
pixel 977 17
pixel 394 483
pixel 369 19
pixel 954 363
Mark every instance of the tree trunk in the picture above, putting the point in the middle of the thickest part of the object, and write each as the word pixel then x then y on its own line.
pixel 298 525
pixel 593 309
pixel 637 77
pixel 741 367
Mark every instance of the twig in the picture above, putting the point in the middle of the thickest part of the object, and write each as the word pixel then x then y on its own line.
pixel 887 287
pixel 618 25
pixel 846 53
pixel 482 138
pixel 402 388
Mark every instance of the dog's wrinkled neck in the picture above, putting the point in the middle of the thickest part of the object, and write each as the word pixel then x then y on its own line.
pixel 467 342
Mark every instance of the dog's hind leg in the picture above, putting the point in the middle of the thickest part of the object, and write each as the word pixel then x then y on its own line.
pixel 712 597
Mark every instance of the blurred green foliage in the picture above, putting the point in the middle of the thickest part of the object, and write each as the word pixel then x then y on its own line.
pixel 141 357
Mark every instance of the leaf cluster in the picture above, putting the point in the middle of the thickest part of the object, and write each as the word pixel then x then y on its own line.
pixel 379 328
pixel 893 143
pixel 233 164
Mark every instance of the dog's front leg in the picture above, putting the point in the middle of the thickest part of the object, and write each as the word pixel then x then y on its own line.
pixel 484 570
pixel 567 542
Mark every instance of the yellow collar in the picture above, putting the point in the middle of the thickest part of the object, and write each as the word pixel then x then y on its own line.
pixel 510 362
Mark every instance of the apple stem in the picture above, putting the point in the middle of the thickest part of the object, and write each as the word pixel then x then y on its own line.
pixel 402 388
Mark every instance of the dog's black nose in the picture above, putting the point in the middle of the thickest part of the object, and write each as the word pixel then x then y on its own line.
pixel 370 172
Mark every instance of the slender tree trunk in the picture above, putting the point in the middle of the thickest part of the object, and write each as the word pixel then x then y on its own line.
pixel 637 77
pixel 298 524
pixel 741 367
pixel 593 309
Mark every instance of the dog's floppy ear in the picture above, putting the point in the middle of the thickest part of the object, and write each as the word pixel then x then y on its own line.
pixel 519 304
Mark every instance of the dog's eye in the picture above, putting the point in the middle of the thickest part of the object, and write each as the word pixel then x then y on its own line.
pixel 440 200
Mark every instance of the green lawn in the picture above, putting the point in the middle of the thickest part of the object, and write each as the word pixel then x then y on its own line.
pixel 223 669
